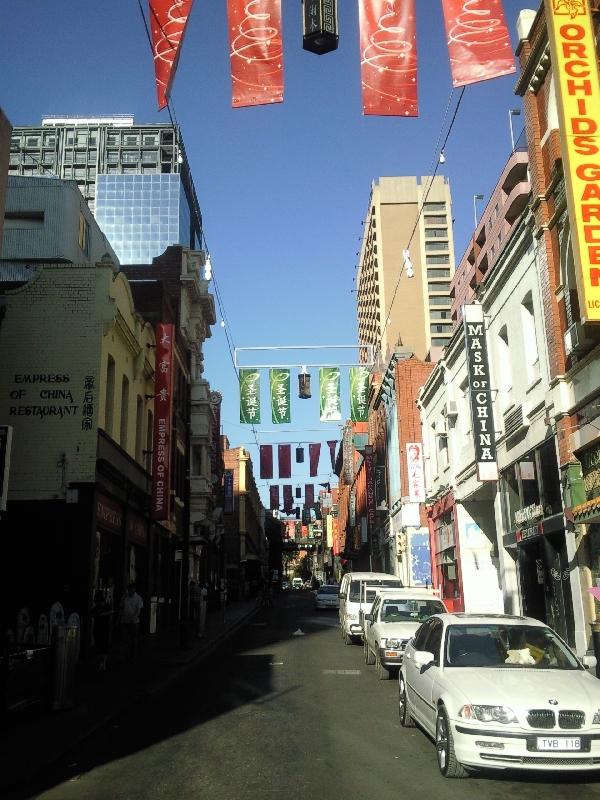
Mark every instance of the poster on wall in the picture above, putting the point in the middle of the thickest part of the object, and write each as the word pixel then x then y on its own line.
pixel 415 473
pixel 420 559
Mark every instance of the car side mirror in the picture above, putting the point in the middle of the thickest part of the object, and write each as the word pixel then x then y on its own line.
pixel 422 658
pixel 342 595
pixel 589 662
pixel 369 617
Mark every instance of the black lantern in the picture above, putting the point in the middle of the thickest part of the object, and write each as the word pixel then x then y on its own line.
pixel 298 491
pixel 304 384
pixel 320 29
pixel 297 512
pixel 299 455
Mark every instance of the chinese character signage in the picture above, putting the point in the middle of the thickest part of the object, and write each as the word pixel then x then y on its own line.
pixel 163 414
pixel 279 382
pixel 228 491
pixel 320 34
pixel 380 489
pixel 249 396
pixel 571 36
pixel 329 394
pixel 414 472
pixel 482 413
pixel 359 394
pixel 370 480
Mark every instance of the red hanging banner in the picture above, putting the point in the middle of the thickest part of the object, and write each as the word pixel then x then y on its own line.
pixel 266 461
pixel 388 57
pixel 314 451
pixel 274 498
pixel 284 454
pixel 331 444
pixel 163 418
pixel 309 495
pixel 256 52
pixel 288 500
pixel 478 40
pixel 168 20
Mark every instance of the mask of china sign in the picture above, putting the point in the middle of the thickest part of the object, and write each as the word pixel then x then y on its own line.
pixel 279 382
pixel 482 412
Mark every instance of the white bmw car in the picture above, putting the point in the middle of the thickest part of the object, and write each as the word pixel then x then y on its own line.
pixel 500 691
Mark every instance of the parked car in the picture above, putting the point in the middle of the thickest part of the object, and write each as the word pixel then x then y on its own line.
pixel 353 597
pixel 500 691
pixel 297 583
pixel 327 597
pixel 394 618
pixel 285 585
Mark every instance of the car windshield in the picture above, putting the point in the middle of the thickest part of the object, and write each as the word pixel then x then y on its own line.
pixel 358 587
pixel 409 609
pixel 507 646
pixel 329 590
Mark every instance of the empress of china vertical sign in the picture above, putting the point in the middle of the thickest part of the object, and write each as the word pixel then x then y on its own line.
pixel 163 413
pixel 482 413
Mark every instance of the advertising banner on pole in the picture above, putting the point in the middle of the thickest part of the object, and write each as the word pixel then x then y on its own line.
pixel 388 57
pixel 168 21
pixel 255 51
pixel 359 394
pixel 279 384
pixel 575 71
pixel 163 419
pixel 478 40
pixel 266 461
pixel 329 394
pixel 249 396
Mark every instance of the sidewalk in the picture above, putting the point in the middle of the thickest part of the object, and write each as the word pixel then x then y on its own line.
pixel 29 744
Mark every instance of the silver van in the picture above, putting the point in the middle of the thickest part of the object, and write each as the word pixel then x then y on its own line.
pixel 354 595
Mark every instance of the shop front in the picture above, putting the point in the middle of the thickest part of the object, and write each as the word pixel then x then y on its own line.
pixel 537 538
pixel 445 567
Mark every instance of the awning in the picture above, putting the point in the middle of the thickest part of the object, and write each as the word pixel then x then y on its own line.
pixel 587 512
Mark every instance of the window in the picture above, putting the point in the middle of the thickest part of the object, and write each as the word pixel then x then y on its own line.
pixel 435 246
pixel 504 368
pixel 442 286
pixel 112 156
pixel 434 640
pixel 130 156
pixel 439 315
pixel 124 412
pixel 442 448
pixel 438 273
pixel 113 139
pixel 81 157
pixel 436 233
pixel 150 139
pixel 149 438
pixel 131 139
pixel 82 138
pixel 84 234
pixel 445 259
pixel 440 328
pixel 32 141
pixel 437 341
pixel 109 405
pixel 530 350
pixel 23 220
pixel 440 300
pixel 434 207
pixel 139 426
pixel 432 220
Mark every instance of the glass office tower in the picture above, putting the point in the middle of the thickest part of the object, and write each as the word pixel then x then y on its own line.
pixel 135 178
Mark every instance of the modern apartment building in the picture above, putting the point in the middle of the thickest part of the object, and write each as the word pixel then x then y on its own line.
pixel 135 178
pixel 395 309
pixel 5 129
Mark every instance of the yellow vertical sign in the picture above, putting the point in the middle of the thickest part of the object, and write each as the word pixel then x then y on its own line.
pixel 575 67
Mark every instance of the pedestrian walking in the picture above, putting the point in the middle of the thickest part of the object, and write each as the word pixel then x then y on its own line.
pixel 102 615
pixel 131 607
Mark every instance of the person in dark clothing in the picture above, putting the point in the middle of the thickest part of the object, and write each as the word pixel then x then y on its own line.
pixel 102 615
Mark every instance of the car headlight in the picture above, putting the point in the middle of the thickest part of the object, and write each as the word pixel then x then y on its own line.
pixel 596 720
pixel 393 643
pixel 502 714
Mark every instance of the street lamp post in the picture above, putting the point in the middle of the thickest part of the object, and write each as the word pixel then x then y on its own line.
pixel 513 112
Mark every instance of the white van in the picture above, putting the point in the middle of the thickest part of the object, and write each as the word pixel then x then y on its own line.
pixel 353 596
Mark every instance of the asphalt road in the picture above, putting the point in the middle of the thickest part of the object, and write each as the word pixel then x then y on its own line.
pixel 278 715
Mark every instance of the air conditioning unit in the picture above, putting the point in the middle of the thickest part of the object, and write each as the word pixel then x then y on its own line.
pixel 578 339
pixel 451 409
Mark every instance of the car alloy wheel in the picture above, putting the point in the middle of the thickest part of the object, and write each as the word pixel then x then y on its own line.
pixel 369 659
pixel 444 744
pixel 406 719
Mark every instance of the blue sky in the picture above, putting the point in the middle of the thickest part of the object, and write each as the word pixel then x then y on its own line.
pixel 284 188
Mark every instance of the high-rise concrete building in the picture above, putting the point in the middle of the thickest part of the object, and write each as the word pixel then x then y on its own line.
pixel 135 178
pixel 394 309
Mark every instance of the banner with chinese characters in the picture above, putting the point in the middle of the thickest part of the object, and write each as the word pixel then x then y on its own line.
pixel 255 51
pixel 274 498
pixel 279 383
pixel 331 444
pixel 314 453
pixel 415 473
pixel 359 394
pixel 284 456
pixel 249 396
pixel 478 40
pixel 288 499
pixel 329 394
pixel 163 418
pixel 388 57
pixel 309 495
pixel 369 457
pixel 168 21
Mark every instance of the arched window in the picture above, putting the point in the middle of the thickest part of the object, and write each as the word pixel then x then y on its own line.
pixel 124 412
pixel 504 369
pixel 530 349
pixel 109 404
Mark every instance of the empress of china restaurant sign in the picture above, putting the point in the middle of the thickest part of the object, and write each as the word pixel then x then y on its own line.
pixel 482 413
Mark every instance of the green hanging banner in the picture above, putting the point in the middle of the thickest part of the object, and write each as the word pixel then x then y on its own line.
pixel 249 396
pixel 279 382
pixel 359 394
pixel 329 394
